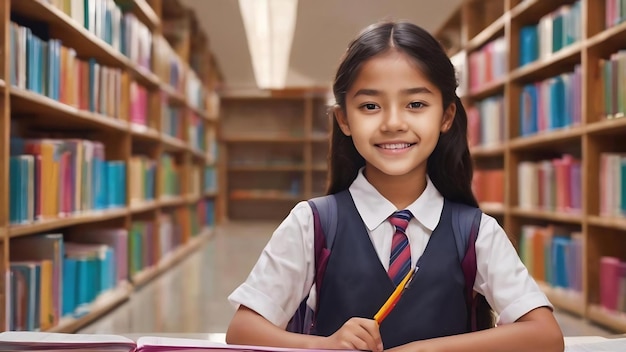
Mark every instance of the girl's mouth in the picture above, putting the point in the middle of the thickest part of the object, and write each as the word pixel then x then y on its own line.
pixel 395 146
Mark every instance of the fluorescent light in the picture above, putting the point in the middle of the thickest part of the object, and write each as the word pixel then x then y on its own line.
pixel 270 26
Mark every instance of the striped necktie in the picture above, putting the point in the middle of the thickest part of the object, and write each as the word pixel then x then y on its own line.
pixel 400 260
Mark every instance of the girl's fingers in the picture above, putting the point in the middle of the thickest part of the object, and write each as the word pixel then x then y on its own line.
pixel 368 333
pixel 373 330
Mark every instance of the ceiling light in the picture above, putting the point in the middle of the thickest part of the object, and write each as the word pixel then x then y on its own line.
pixel 270 26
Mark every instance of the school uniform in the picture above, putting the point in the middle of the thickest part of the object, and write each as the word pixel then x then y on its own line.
pixel 283 276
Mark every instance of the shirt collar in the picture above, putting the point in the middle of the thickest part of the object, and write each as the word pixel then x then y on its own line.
pixel 374 208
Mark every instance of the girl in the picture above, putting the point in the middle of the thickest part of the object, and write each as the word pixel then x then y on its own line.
pixel 398 143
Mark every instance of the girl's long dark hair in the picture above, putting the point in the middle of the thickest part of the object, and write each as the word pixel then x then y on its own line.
pixel 450 165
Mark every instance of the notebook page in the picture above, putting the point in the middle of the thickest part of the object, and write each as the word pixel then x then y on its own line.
pixel 608 345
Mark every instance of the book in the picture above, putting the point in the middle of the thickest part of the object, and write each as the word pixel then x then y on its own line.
pixel 597 345
pixel 37 341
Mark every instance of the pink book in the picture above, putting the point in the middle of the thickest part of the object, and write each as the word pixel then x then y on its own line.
pixel 609 282
pixel 29 340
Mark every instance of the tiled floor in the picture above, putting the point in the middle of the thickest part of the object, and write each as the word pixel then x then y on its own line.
pixel 191 298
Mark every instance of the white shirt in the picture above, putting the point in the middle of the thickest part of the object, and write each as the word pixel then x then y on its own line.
pixel 284 272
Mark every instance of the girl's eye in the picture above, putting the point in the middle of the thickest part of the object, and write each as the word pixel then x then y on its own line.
pixel 416 105
pixel 369 106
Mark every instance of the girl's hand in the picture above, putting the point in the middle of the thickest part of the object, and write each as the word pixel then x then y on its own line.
pixel 356 334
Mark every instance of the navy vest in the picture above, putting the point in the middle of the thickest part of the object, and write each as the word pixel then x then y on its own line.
pixel 357 285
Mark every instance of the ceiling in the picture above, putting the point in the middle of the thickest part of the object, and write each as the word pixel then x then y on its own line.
pixel 323 31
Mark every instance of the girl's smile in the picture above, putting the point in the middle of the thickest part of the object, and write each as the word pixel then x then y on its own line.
pixel 395 148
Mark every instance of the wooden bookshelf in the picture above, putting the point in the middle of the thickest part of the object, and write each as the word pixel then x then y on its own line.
pixel 492 208
pixel 172 258
pixel 568 300
pixel 491 150
pixel 29 103
pixel 101 306
pixel 146 205
pixel 283 161
pixel 473 25
pixel 37 113
pixel 54 224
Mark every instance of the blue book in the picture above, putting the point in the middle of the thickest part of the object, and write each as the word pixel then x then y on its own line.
pixel 529 45
pixel 69 286
pixel 557 33
pixel 30 60
pixel 23 187
pixel 84 281
pixel 14 177
pixel 92 80
pixel 559 262
pixel 557 103
pixel 528 110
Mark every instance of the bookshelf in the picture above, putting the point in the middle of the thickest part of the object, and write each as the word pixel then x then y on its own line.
pixel 275 146
pixel 558 192
pixel 106 145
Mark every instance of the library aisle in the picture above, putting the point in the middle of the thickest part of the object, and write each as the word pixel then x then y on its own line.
pixel 191 298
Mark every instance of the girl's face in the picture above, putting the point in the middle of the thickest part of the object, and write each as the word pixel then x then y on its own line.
pixel 394 115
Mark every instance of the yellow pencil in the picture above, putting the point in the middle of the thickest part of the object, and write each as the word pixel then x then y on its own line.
pixel 395 296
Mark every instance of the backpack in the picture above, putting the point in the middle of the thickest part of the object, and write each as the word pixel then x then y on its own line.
pixel 465 225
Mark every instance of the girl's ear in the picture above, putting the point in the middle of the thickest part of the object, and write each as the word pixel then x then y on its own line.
pixel 342 120
pixel 448 118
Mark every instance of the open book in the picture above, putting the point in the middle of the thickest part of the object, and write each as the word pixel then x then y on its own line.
pixel 56 342
pixel 594 344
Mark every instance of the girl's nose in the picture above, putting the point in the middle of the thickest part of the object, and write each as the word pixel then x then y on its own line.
pixel 394 121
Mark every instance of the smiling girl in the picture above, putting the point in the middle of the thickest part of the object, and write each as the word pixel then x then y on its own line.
pixel 399 165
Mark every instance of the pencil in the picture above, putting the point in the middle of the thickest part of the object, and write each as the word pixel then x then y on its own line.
pixel 394 297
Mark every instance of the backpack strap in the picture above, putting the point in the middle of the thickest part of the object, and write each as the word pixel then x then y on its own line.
pixel 326 207
pixel 325 228
pixel 465 225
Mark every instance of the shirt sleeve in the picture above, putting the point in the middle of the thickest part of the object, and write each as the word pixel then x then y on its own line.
pixel 502 277
pixel 283 274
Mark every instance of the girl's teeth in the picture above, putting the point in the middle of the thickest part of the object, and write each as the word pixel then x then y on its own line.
pixel 395 146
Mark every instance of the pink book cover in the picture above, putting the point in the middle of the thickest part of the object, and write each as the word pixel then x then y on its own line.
pixel 489 62
pixel 29 340
pixel 609 14
pixel 609 282
pixel 621 285
pixel 134 91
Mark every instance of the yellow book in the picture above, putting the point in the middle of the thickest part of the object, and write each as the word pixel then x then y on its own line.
pixel 47 189
pixel 46 310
